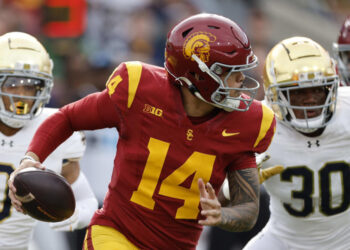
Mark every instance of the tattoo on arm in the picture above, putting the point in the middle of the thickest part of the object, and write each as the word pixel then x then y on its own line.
pixel 242 213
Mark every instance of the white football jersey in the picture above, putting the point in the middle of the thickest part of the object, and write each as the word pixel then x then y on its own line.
pixel 15 228
pixel 310 199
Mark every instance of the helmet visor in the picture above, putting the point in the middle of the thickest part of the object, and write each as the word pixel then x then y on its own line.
pixel 22 86
pixel 19 93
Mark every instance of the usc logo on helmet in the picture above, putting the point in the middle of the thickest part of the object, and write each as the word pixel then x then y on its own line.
pixel 198 44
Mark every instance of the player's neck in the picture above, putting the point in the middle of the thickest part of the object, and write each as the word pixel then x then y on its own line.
pixel 193 106
pixel 8 131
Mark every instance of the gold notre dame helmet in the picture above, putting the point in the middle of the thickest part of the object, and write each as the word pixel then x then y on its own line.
pixel 295 63
pixel 23 57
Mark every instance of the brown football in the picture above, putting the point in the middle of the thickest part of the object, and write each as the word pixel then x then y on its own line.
pixel 45 195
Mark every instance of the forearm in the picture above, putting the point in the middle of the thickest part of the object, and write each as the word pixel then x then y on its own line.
pixel 243 209
pixel 239 218
pixel 51 133
pixel 92 112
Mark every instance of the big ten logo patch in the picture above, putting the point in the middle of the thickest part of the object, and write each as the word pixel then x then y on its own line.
pixel 153 110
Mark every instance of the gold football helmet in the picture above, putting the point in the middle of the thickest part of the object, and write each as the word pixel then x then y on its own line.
pixel 24 63
pixel 298 63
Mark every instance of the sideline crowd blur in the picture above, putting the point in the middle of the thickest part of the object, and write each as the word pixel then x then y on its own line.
pixel 87 39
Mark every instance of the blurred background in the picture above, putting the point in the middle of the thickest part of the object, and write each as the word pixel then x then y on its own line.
pixel 87 39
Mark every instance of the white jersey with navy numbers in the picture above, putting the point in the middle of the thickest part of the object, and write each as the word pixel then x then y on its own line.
pixel 310 199
pixel 15 228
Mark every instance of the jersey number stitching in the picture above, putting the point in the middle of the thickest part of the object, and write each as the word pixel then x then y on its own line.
pixel 5 203
pixel 326 206
pixel 199 165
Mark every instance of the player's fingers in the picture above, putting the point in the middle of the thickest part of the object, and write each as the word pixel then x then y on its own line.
pixel 12 195
pixel 210 190
pixel 11 186
pixel 202 191
pixel 211 212
pixel 211 221
pixel 30 163
pixel 209 202
pixel 39 165
pixel 17 205
pixel 14 199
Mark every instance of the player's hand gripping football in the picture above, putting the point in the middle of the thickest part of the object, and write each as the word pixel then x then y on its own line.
pixel 211 207
pixel 25 163
pixel 266 173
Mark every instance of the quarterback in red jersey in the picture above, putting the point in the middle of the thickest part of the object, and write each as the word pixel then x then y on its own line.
pixel 182 129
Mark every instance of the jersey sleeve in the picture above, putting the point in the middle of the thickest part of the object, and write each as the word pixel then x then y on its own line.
pixel 123 84
pixel 95 111
pixel 266 131
pixel 243 161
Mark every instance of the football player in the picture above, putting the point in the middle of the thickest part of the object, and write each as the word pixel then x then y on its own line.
pixel 25 86
pixel 309 200
pixel 182 129
pixel 342 52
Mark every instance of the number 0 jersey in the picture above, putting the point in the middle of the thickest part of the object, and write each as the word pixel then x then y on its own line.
pixel 153 196
pixel 310 199
pixel 16 228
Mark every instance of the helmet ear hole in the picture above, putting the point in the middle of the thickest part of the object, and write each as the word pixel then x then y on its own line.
pixel 231 52
pixel 197 76
pixel 185 33
pixel 213 27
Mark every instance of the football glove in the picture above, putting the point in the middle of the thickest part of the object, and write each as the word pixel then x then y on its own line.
pixel 266 173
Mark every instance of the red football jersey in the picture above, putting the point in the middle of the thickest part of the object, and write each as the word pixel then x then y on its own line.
pixel 153 196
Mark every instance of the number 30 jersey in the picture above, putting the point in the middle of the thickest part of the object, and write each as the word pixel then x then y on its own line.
pixel 16 228
pixel 310 199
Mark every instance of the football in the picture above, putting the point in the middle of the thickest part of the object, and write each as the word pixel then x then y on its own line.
pixel 45 195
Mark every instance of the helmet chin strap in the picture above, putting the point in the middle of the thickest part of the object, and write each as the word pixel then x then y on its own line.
pixel 191 87
pixel 196 93
pixel 204 68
